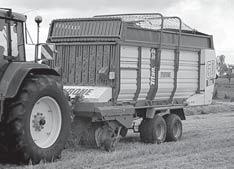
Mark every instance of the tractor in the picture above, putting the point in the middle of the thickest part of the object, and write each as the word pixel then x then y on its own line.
pixel 34 113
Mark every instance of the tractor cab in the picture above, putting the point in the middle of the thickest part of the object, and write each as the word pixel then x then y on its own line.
pixel 12 46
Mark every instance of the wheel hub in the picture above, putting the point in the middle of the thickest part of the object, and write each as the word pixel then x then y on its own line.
pixel 159 131
pixel 177 129
pixel 38 122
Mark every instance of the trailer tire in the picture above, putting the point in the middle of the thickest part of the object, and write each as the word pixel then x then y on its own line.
pixel 37 123
pixel 153 130
pixel 123 131
pixel 143 129
pixel 174 127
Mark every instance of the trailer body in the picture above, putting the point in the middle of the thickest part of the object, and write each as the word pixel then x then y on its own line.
pixel 123 68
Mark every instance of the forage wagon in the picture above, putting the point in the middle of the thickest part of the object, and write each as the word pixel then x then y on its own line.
pixel 118 69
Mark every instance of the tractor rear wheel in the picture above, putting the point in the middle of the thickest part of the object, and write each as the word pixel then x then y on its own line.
pixel 37 121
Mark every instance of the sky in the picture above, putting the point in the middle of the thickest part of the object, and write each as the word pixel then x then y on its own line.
pixel 214 17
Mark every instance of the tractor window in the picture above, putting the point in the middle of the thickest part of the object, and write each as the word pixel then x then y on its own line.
pixel 17 41
pixel 14 40
pixel 3 38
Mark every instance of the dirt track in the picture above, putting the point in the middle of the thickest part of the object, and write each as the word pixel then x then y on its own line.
pixel 208 142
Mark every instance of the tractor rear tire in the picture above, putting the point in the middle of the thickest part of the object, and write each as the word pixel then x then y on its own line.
pixel 37 121
pixel 174 127
pixel 153 130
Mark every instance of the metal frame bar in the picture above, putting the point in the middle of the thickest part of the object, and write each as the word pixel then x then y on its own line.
pixel 153 88
pixel 87 43
pixel 117 88
pixel 8 21
pixel 138 75
pixel 199 71
pixel 176 61
pixel 85 36
pixel 168 46
pixel 85 19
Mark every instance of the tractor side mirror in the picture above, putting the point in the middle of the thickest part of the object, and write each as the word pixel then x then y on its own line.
pixel 48 51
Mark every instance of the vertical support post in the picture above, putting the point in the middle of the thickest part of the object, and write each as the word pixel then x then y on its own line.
pixel 154 86
pixel 8 33
pixel 138 75
pixel 116 91
pixel 199 72
pixel 176 61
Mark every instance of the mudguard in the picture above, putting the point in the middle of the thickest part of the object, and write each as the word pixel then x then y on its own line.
pixel 15 74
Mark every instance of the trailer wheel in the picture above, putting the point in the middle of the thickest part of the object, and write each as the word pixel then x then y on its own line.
pixel 143 129
pixel 101 135
pixel 123 131
pixel 174 127
pixel 37 122
pixel 153 130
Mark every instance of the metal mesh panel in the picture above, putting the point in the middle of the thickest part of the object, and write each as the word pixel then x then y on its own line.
pixel 150 21
pixel 174 23
pixel 71 28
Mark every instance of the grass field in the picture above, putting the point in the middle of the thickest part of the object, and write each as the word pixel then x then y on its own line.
pixel 207 142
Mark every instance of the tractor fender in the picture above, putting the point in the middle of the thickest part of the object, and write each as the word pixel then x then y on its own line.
pixel 15 74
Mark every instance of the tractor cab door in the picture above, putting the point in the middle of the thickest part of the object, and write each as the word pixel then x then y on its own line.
pixel 3 46
pixel 3 38
pixel 11 40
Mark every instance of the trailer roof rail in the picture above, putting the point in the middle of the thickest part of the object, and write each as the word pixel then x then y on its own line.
pixel 151 20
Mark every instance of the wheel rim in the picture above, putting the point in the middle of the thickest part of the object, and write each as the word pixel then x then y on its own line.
pixel 45 122
pixel 177 129
pixel 160 132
